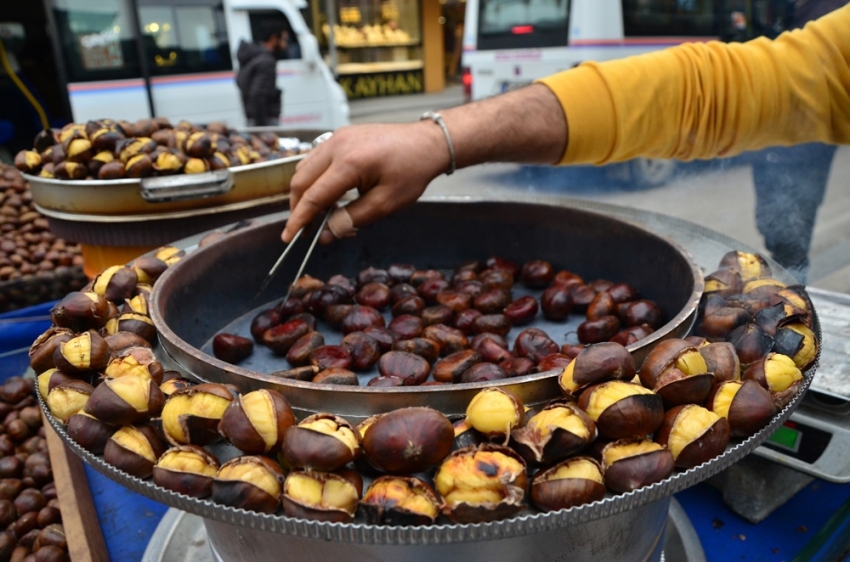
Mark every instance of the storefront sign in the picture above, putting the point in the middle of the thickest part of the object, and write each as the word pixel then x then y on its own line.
pixel 378 84
pixel 101 51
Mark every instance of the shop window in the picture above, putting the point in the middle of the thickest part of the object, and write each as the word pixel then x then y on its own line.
pixel 265 21
pixel 518 24
pixel 671 17
pixel 97 39
pixel 184 38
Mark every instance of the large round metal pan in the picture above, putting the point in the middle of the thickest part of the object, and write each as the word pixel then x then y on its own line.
pixel 609 519
pixel 173 193
pixel 214 289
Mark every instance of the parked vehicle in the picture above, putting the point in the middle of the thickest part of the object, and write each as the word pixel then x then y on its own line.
pixel 510 43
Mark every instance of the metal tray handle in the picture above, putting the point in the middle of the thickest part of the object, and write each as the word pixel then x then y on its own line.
pixel 186 187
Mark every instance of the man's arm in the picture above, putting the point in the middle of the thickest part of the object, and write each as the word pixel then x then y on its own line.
pixel 392 165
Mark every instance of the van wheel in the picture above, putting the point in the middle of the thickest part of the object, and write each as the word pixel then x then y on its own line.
pixel 651 172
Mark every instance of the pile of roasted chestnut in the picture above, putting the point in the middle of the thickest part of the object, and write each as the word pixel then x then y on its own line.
pixel 442 330
pixel 29 509
pixel 110 150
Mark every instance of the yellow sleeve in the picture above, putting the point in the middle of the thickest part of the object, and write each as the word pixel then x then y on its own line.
pixel 703 100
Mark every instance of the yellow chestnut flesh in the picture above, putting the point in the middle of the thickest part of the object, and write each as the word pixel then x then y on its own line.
pixel 329 427
pixel 724 397
pixel 495 412
pixel 579 468
pixel 463 478
pixel 564 418
pixel 628 450
pixel 781 372
pixel 400 494
pixel 613 392
pixel 690 425
pixel 254 473
pixel 65 401
pixel 132 439
pixel 325 493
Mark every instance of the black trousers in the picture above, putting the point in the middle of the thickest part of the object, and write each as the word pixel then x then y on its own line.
pixel 790 186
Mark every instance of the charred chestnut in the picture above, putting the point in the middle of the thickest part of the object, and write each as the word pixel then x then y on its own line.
pixel 798 342
pixel 399 500
pixel 747 265
pixel 751 343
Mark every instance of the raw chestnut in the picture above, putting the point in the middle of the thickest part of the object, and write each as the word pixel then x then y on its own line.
pixel 517 366
pixel 337 376
pixel 264 321
pixel 472 287
pixel 411 368
pixel 492 323
pixel 336 313
pixel 492 301
pixel 330 356
pixel 360 318
pixel 413 306
pixel 364 351
pixel 566 278
pixel 491 347
pixel 373 275
pixel 376 295
pixel 534 344
pixel 437 314
pixel 344 283
pixel 299 354
pixel 465 321
pixel 600 330
pixel 502 264
pixel 639 312
pixel 382 336
pixel 450 340
pixel 421 275
pixel 450 368
pixel 553 361
pixel 426 348
pixel 305 285
pixel 483 372
pixel 602 305
pixel 319 300
pixel 288 308
pixel 282 337
pixel 232 348
pixel 400 272
pixel 402 291
pixel 623 292
pixel 406 326
pixel 522 310
pixel 385 382
pixel 408 440
pixel 537 274
pixel 581 296
pixel 430 288
pixel 632 335
pixel 458 301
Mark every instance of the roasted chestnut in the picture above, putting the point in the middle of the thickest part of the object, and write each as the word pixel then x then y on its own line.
pixel 126 400
pixel 718 323
pixel 191 416
pixel 693 435
pixel 722 361
pixel 116 283
pixel 139 324
pixel 186 469
pixel 751 343
pixel 677 372
pixel 798 342
pixel 256 422
pixel 748 266
pixel 249 482
pixel 779 374
pixel 320 496
pixel 556 432
pixel 724 283
pixel 322 442
pixel 483 483
pixel 68 398
pixel 400 500
pixel 89 432
pixel 408 440
pixel 42 349
pixel 630 464
pixel 495 412
pixel 135 361
pixel 746 404
pixel 596 364
pixel 573 482
pixel 622 409
pixel 134 449
pixel 80 311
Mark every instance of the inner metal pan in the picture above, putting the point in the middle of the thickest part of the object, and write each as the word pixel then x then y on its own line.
pixel 208 289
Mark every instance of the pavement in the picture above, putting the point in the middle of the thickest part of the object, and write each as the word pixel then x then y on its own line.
pixel 718 194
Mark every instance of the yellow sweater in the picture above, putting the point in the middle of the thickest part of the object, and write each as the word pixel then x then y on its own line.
pixel 702 100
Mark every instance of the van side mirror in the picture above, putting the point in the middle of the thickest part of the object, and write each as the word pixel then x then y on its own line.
pixel 309 49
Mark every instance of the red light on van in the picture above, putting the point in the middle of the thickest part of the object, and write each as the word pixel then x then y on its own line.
pixel 467 83
pixel 522 29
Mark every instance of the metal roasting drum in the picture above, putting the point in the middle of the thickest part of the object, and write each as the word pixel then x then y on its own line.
pixel 211 288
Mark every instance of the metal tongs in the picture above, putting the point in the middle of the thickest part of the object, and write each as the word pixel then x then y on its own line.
pixel 316 142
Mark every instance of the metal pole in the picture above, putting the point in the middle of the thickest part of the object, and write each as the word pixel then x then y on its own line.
pixel 330 13
pixel 143 62
pixel 53 32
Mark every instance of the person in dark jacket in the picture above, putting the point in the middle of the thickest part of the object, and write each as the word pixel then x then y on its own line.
pixel 256 78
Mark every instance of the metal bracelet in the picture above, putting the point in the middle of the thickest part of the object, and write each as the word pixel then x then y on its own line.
pixel 438 119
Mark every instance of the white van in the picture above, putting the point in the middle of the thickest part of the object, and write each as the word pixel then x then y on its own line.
pixel 178 60
pixel 510 43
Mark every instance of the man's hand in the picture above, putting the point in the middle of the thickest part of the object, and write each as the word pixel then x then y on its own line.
pixel 391 165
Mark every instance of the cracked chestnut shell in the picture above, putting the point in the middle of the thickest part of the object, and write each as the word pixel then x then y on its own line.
pixel 534 344
pixel 718 323
pixel 80 311
pixel 622 409
pixel 677 372
pixel 746 404
pixel 572 482
pixel 321 496
pixel 50 379
pixel 798 342
pixel 630 464
pixel 723 283
pixel 42 349
pixel 450 368
pixel 249 482
pixel 232 348
pixel 556 432
pixel 89 432
pixel 751 343
pixel 495 412
pixel 322 442
pixel 400 500
pixel 693 435
pixel 116 283
pixel 596 364
pixel 186 469
pixel 411 368
pixel 120 341
pixel 134 449
pixel 256 422
pixel 191 416
pixel 778 374
pixel 126 400
pixel 749 266
pixel 408 440
pixel 139 324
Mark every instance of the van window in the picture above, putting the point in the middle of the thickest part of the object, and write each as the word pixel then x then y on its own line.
pixel 189 37
pixel 264 20
pixel 517 24
pixel 671 17
pixel 97 39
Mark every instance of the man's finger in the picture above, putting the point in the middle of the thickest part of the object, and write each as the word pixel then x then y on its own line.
pixel 323 193
pixel 307 171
